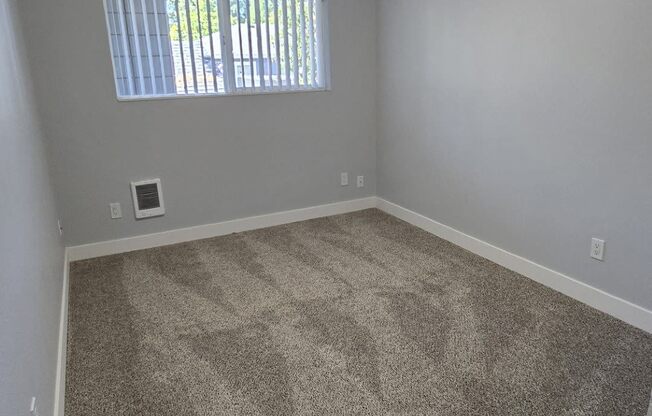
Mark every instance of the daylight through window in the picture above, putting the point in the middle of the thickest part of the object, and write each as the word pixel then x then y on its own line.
pixel 198 47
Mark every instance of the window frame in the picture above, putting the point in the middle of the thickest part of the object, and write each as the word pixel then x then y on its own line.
pixel 227 55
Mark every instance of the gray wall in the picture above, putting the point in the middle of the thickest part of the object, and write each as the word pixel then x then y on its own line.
pixel 219 158
pixel 31 255
pixel 527 124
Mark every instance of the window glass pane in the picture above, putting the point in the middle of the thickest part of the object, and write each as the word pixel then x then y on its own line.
pixel 175 47
pixel 196 46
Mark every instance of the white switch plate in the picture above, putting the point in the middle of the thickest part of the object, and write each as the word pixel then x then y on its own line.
pixel 344 179
pixel 360 182
pixel 60 227
pixel 597 249
pixel 116 210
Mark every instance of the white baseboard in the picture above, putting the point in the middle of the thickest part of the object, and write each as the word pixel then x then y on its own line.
pixel 632 314
pixel 603 301
pixel 142 242
pixel 60 383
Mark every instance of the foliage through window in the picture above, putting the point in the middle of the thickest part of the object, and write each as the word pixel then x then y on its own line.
pixel 198 47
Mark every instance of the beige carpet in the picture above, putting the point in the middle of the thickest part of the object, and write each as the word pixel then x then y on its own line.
pixel 354 314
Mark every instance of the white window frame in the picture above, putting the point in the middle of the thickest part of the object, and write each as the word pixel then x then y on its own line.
pixel 322 39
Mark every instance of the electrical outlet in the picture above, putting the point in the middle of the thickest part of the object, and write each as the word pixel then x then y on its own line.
pixel 344 179
pixel 597 249
pixel 60 227
pixel 116 210
pixel 360 181
pixel 33 410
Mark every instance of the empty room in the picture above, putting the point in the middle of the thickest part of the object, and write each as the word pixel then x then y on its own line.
pixel 325 207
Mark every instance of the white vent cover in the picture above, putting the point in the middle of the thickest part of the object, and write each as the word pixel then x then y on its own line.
pixel 148 198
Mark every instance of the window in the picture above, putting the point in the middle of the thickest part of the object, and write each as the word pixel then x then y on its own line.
pixel 164 48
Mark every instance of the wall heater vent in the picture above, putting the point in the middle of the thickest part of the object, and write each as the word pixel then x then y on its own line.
pixel 148 198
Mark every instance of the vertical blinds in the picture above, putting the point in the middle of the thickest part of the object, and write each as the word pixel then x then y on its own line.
pixel 183 47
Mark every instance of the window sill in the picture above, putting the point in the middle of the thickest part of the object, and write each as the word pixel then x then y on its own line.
pixel 220 95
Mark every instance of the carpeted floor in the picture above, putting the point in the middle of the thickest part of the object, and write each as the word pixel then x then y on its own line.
pixel 355 314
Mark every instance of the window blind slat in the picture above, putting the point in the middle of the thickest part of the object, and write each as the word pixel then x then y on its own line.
pixel 304 57
pixel 160 46
pixel 125 42
pixel 269 47
pixel 259 40
pixel 201 46
pixel 251 48
pixel 226 38
pixel 277 43
pixel 139 61
pixel 212 47
pixel 183 58
pixel 191 47
pixel 320 42
pixel 311 12
pixel 286 43
pixel 295 44
pixel 242 65
pixel 113 23
pixel 148 44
